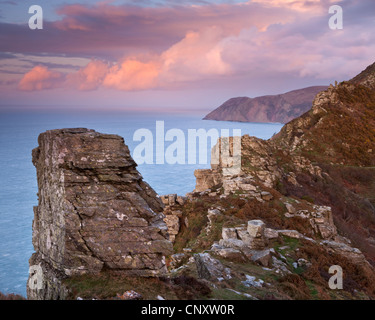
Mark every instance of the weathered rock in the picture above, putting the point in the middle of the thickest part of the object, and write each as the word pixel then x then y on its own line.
pixel 291 234
pixel 94 209
pixel 232 243
pixel 165 199
pixel 229 233
pixel 243 235
pixel 239 237
pixel 347 251
pixel 320 218
pixel 271 233
pixel 228 253
pixel 206 179
pixel 173 225
pixel 262 257
pixel 255 228
pixel 290 208
pixel 181 200
pixel 209 268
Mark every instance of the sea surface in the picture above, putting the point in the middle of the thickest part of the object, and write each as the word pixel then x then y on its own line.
pixel 19 132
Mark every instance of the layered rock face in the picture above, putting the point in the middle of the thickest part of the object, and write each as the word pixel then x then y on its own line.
pixel 95 212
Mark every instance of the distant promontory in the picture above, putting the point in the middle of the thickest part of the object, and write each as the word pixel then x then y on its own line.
pixel 280 108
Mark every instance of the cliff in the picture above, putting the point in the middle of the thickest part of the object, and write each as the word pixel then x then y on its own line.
pixel 95 212
pixel 316 177
pixel 274 108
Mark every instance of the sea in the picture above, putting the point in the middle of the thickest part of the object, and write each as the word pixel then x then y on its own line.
pixel 19 130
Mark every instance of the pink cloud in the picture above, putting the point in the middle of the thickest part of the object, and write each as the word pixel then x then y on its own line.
pixel 40 78
pixel 253 40
pixel 90 77
pixel 132 75
pixel 317 6
pixel 197 55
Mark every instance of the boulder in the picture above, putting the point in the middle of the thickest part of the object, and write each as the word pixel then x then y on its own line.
pixel 255 228
pixel 261 257
pixel 229 233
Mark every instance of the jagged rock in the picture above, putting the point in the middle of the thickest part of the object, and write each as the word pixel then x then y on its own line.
pixel 209 268
pixel 94 210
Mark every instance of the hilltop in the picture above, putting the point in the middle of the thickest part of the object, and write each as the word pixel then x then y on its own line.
pixel 272 108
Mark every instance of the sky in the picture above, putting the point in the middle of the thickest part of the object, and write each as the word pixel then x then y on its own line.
pixel 189 54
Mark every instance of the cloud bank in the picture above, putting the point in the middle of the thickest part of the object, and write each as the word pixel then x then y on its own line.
pixel 134 48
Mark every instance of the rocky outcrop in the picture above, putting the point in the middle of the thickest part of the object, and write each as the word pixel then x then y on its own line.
pixel 276 108
pixel 95 211
pixel 172 215
pixel 206 179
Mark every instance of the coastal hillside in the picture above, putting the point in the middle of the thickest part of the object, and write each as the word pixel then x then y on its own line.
pixel 273 108
pixel 301 209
